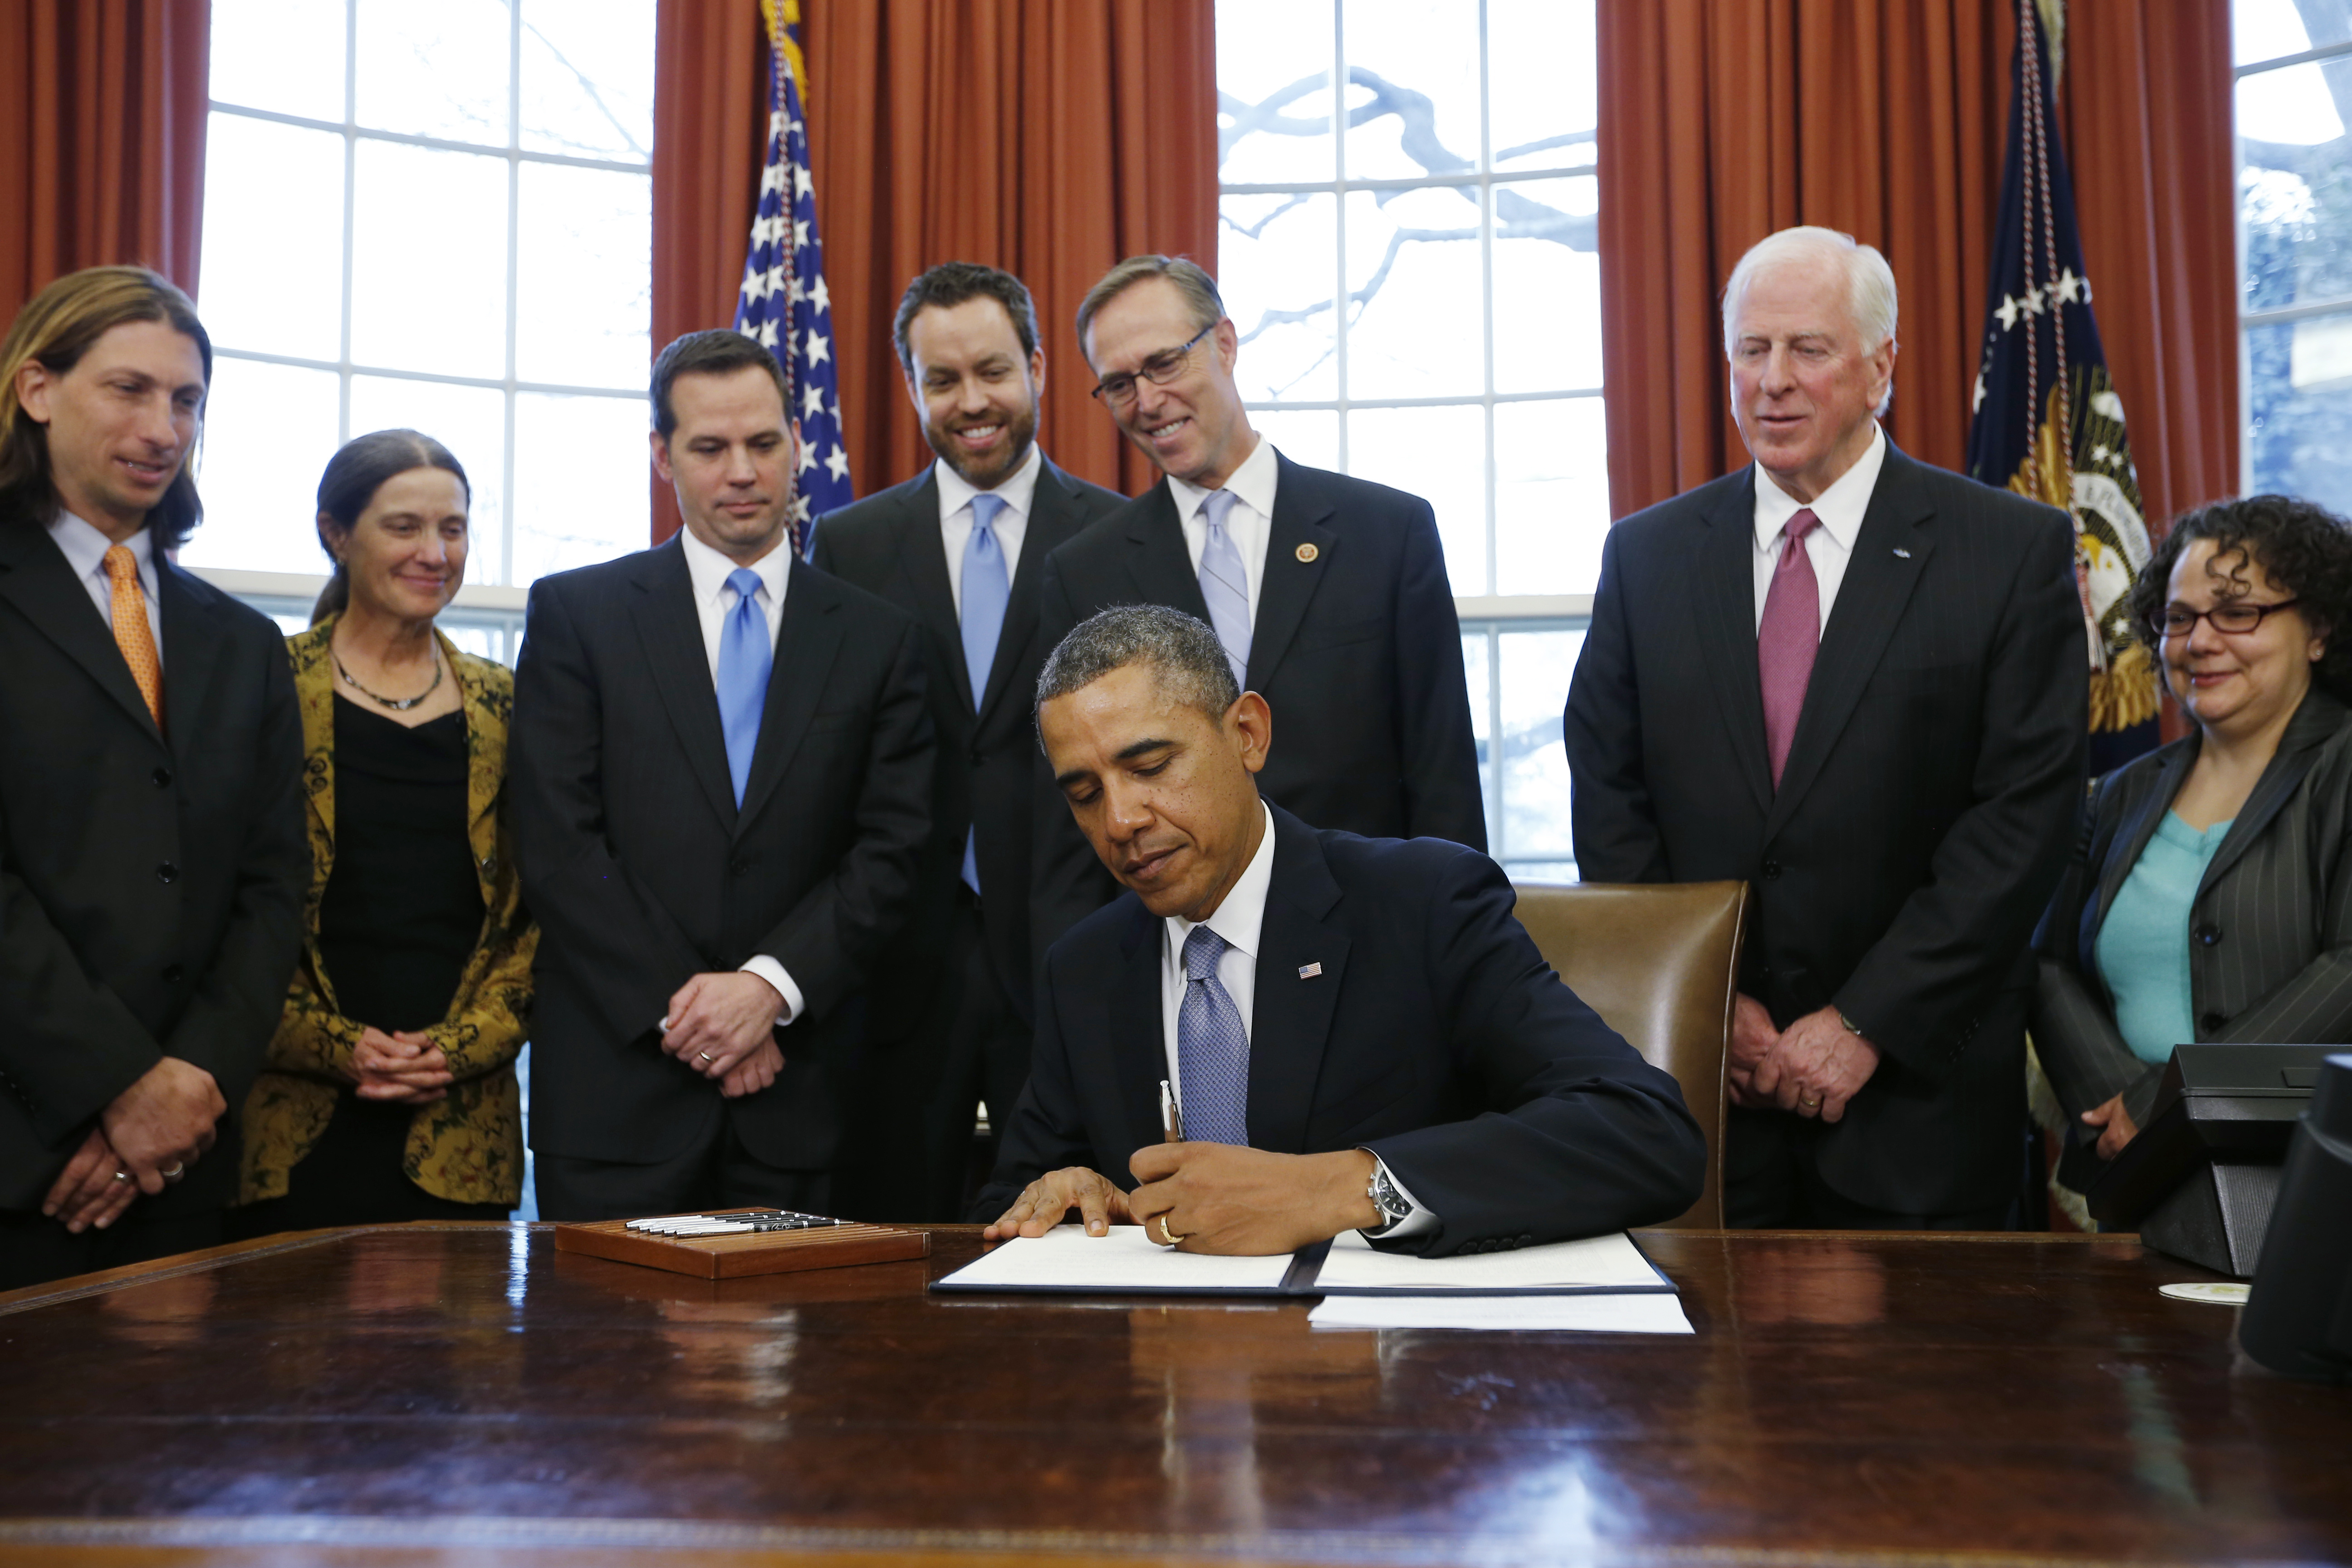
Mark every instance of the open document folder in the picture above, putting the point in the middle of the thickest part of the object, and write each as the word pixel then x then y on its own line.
pixel 1067 1259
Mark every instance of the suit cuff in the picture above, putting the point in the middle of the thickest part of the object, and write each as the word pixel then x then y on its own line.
pixel 769 970
pixel 1420 1221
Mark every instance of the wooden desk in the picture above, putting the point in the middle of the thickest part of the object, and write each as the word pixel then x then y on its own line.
pixel 465 1394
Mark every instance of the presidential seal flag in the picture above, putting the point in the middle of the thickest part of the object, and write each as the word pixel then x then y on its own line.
pixel 2048 421
pixel 783 302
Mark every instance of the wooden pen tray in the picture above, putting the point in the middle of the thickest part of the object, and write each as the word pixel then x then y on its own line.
pixel 738 1256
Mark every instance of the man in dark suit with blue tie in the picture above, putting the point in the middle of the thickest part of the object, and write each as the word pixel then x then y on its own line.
pixel 1328 593
pixel 1357 1032
pixel 720 766
pixel 961 548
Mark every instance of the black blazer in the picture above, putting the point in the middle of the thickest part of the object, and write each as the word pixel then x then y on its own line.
pixel 151 882
pixel 889 545
pixel 2270 933
pixel 1435 1035
pixel 642 872
pixel 1923 816
pixel 1357 651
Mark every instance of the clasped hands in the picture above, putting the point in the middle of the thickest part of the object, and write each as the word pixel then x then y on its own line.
pixel 724 1027
pixel 145 1139
pixel 1207 1197
pixel 1813 1067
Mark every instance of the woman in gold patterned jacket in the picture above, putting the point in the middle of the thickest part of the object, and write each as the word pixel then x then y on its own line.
pixel 389 1091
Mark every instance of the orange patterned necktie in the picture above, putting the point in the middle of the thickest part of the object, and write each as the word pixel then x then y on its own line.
pixel 131 631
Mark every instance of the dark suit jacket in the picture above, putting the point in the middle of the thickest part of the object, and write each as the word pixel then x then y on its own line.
pixel 2270 933
pixel 889 545
pixel 151 883
pixel 1922 817
pixel 1435 1037
pixel 642 872
pixel 1358 652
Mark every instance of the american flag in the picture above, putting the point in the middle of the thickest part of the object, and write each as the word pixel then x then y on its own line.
pixel 783 302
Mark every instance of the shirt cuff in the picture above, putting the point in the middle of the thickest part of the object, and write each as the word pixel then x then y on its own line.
pixel 769 970
pixel 1420 1221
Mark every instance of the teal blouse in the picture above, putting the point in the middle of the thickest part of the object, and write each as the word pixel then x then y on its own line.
pixel 2143 947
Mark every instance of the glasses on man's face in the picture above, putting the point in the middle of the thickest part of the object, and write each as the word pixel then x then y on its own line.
pixel 1158 370
pixel 2236 618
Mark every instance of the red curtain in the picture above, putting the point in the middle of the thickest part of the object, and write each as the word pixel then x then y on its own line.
pixel 102 110
pixel 711 124
pixel 1722 121
pixel 1047 137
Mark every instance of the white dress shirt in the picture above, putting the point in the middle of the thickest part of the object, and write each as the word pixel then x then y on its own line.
pixel 713 602
pixel 85 551
pixel 1017 492
pixel 1249 521
pixel 1829 547
pixel 1240 918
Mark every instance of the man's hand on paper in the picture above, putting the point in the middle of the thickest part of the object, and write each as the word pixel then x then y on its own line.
pixel 1224 1198
pixel 1044 1201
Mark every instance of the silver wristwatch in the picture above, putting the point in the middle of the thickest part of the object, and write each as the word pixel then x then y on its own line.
pixel 1385 1197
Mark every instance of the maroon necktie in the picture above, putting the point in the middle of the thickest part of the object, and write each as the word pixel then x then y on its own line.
pixel 1787 637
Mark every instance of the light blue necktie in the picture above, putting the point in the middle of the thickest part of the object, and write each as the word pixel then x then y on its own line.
pixel 745 658
pixel 1224 583
pixel 986 587
pixel 1211 1047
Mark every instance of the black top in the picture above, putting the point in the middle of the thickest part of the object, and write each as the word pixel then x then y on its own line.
pixel 402 908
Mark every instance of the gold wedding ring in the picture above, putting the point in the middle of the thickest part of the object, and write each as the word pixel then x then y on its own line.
pixel 706 1056
pixel 125 1175
pixel 1169 1237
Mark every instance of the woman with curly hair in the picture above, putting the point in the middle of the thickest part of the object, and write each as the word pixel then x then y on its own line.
pixel 389 1093
pixel 2209 897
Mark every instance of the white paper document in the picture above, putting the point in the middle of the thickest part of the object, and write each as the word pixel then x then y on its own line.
pixel 1599 1263
pixel 1067 1259
pixel 1645 1313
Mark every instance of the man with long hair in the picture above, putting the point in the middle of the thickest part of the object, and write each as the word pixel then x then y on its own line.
pixel 152 858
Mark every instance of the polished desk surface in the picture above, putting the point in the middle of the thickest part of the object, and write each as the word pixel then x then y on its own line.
pixel 441 1393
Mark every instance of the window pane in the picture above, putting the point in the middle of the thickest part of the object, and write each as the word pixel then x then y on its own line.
pixel 273 274
pixel 435 68
pixel 1308 436
pixel 285 56
pixel 428 261
pixel 1412 90
pixel 1536 670
pixel 268 431
pixel 1547 286
pixel 1542 106
pixel 471 421
pixel 588 78
pixel 584 309
pixel 2293 106
pixel 2266 29
pixel 1273 99
pixel 1417 318
pixel 2294 196
pixel 2299 419
pixel 1439 455
pixel 583 482
pixel 1278 257
pixel 1551 495
pixel 1476 674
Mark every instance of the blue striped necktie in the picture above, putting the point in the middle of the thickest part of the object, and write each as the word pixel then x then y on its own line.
pixel 745 659
pixel 1224 583
pixel 986 587
pixel 1211 1047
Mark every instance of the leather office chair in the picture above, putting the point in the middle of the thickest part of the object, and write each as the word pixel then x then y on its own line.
pixel 1660 964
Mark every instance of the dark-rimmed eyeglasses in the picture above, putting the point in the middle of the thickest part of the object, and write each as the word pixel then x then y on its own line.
pixel 2236 618
pixel 1158 370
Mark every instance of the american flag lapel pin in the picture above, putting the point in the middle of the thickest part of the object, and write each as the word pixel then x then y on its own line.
pixel 1903 552
pixel 1309 971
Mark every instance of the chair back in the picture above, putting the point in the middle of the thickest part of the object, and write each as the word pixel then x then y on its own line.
pixel 1660 964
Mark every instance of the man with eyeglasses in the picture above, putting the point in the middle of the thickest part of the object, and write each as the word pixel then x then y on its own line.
pixel 1856 683
pixel 1328 593
pixel 960 547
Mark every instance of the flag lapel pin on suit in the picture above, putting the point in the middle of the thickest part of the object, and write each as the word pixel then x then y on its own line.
pixel 1309 971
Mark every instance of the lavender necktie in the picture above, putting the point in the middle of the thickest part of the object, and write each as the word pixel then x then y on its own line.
pixel 1224 584
pixel 1787 637
pixel 1211 1047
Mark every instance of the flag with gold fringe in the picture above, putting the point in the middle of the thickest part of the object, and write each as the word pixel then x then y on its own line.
pixel 783 302
pixel 2048 422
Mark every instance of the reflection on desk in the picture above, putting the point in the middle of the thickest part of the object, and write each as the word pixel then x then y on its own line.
pixel 427 1389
